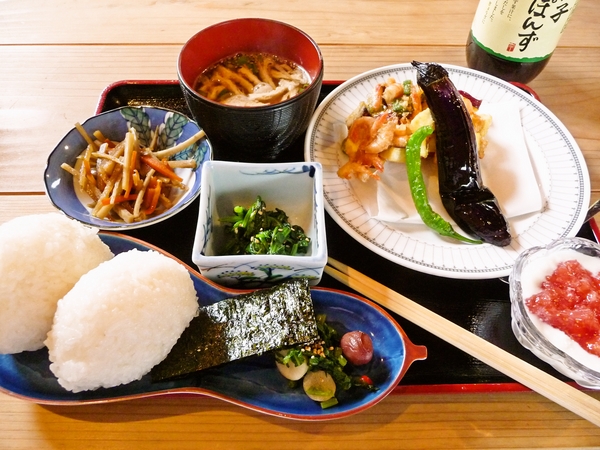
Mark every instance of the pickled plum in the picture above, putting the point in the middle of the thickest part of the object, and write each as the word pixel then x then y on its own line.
pixel 357 347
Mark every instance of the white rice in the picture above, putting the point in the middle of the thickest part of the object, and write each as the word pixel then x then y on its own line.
pixel 41 257
pixel 120 320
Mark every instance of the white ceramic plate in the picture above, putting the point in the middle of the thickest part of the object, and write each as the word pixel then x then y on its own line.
pixel 558 163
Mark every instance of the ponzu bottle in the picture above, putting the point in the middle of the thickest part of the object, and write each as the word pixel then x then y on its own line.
pixel 514 39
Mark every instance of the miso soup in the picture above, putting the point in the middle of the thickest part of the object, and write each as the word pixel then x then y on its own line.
pixel 252 79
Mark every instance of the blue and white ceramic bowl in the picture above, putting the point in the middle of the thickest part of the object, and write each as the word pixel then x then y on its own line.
pixel 174 128
pixel 295 188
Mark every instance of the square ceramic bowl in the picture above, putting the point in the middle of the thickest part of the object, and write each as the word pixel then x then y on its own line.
pixel 548 343
pixel 295 188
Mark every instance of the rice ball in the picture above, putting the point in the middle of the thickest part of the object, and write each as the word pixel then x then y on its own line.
pixel 41 258
pixel 120 320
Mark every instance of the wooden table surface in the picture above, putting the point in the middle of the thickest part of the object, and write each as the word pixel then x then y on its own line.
pixel 55 59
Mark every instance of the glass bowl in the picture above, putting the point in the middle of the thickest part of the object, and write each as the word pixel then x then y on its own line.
pixel 546 342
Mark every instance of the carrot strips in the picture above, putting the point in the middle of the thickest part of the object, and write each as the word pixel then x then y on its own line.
pixel 119 199
pixel 161 167
pixel 154 200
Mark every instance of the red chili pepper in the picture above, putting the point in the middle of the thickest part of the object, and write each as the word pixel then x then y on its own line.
pixel 366 380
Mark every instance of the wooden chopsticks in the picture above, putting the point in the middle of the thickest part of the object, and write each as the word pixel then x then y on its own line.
pixel 521 371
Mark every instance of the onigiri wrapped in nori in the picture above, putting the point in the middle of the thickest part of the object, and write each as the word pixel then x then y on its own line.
pixel 119 320
pixel 42 256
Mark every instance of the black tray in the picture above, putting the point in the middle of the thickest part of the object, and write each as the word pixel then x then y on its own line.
pixel 480 306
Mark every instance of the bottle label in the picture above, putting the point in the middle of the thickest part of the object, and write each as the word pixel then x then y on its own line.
pixel 521 30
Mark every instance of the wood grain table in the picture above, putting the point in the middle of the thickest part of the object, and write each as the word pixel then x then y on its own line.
pixel 56 57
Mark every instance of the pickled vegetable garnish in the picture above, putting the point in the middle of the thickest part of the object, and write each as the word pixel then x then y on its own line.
pixel 326 367
pixel 570 301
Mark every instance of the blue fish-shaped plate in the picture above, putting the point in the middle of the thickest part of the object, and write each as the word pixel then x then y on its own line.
pixel 254 382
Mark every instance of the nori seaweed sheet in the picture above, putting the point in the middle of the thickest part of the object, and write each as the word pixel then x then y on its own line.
pixel 242 326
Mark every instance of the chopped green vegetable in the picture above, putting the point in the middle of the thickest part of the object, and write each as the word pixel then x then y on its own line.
pixel 326 331
pixel 257 231
pixel 318 391
pixel 243 60
pixel 329 403
pixel 295 356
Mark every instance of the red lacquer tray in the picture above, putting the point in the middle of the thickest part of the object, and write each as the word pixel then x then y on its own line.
pixel 481 306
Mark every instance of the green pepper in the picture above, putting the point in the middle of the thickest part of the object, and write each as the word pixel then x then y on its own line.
pixel 398 106
pixel 407 85
pixel 418 191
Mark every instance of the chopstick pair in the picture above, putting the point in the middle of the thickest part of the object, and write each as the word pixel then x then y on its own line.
pixel 521 371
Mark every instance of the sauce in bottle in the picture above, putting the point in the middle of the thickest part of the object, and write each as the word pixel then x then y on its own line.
pixel 514 39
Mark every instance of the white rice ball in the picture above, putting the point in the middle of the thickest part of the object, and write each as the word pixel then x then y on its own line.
pixel 41 258
pixel 120 320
